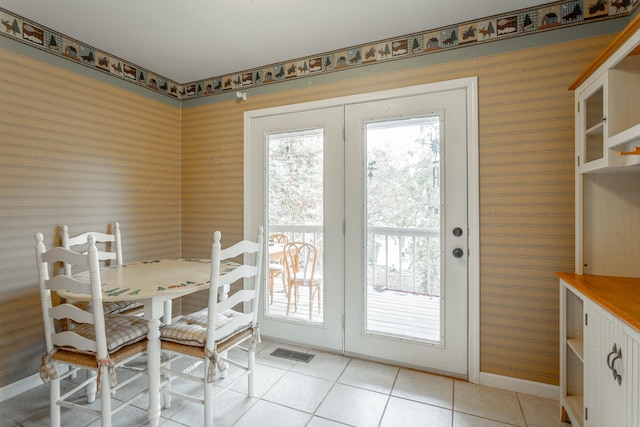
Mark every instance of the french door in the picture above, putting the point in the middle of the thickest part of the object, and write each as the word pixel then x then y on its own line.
pixel 406 233
pixel 296 179
pixel 379 184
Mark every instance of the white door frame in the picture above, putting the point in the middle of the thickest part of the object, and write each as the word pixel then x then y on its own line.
pixel 471 86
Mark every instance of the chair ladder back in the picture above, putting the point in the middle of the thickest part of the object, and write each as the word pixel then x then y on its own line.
pixel 245 271
pixel 112 244
pixel 93 315
pixel 246 247
pixel 69 284
pixel 249 271
pixel 70 311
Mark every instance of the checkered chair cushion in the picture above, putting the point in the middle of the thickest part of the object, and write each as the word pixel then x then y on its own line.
pixel 192 328
pixel 115 307
pixel 121 330
pixel 112 307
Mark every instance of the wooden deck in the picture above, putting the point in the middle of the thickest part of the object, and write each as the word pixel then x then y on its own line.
pixel 399 314
pixel 404 315
pixel 279 306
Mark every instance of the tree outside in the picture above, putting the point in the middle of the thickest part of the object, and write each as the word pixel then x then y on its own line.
pixel 402 194
pixel 295 178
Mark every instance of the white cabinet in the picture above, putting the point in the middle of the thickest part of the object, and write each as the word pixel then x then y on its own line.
pixel 607 144
pixel 600 350
pixel 600 302
pixel 607 111
pixel 608 119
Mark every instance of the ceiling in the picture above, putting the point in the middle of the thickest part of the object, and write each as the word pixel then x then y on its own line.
pixel 192 40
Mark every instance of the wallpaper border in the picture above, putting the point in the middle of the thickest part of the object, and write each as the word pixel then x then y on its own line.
pixel 551 16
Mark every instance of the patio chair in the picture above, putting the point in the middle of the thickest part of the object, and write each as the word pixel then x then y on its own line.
pixel 276 267
pixel 207 335
pixel 300 263
pixel 97 342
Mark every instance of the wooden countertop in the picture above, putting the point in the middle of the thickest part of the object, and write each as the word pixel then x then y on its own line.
pixel 618 295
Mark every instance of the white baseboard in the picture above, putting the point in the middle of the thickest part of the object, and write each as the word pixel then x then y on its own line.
pixel 19 387
pixel 520 386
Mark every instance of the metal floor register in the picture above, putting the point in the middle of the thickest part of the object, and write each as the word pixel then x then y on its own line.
pixel 293 355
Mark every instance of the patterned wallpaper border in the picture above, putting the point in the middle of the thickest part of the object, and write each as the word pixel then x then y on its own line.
pixel 550 16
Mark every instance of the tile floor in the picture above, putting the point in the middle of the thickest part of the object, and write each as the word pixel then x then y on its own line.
pixel 330 390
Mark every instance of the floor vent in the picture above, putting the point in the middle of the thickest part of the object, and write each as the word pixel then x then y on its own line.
pixel 293 355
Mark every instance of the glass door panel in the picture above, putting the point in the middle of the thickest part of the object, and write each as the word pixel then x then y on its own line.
pixel 403 228
pixel 295 214
pixel 294 181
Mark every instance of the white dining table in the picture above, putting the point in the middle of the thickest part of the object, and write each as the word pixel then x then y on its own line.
pixel 155 283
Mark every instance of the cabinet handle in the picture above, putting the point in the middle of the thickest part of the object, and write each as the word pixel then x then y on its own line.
pixel 635 150
pixel 610 363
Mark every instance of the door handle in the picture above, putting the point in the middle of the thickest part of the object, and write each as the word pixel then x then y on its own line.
pixel 457 252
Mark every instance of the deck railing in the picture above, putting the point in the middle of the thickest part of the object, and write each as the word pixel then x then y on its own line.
pixel 398 259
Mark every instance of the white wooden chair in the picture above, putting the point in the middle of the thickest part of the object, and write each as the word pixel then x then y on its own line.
pixel 208 334
pixel 110 251
pixel 300 260
pixel 96 342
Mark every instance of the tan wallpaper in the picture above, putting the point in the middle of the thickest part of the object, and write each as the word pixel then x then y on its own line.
pixel 77 151
pixel 83 153
pixel 526 186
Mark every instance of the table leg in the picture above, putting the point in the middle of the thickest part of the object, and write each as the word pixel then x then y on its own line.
pixel 153 310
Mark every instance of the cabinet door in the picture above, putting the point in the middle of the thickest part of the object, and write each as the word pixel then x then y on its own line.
pixel 630 372
pixel 591 126
pixel 603 394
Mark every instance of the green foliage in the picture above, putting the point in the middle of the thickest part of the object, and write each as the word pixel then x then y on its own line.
pixel 402 185
pixel 295 179
pixel 403 191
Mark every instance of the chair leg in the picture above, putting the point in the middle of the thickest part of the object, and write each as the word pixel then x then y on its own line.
pixel 54 396
pixel 252 368
pixel 90 389
pixel 208 403
pixel 284 286
pixel 288 297
pixel 310 301
pixel 271 280
pixel 105 397
pixel 224 372
pixel 165 362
